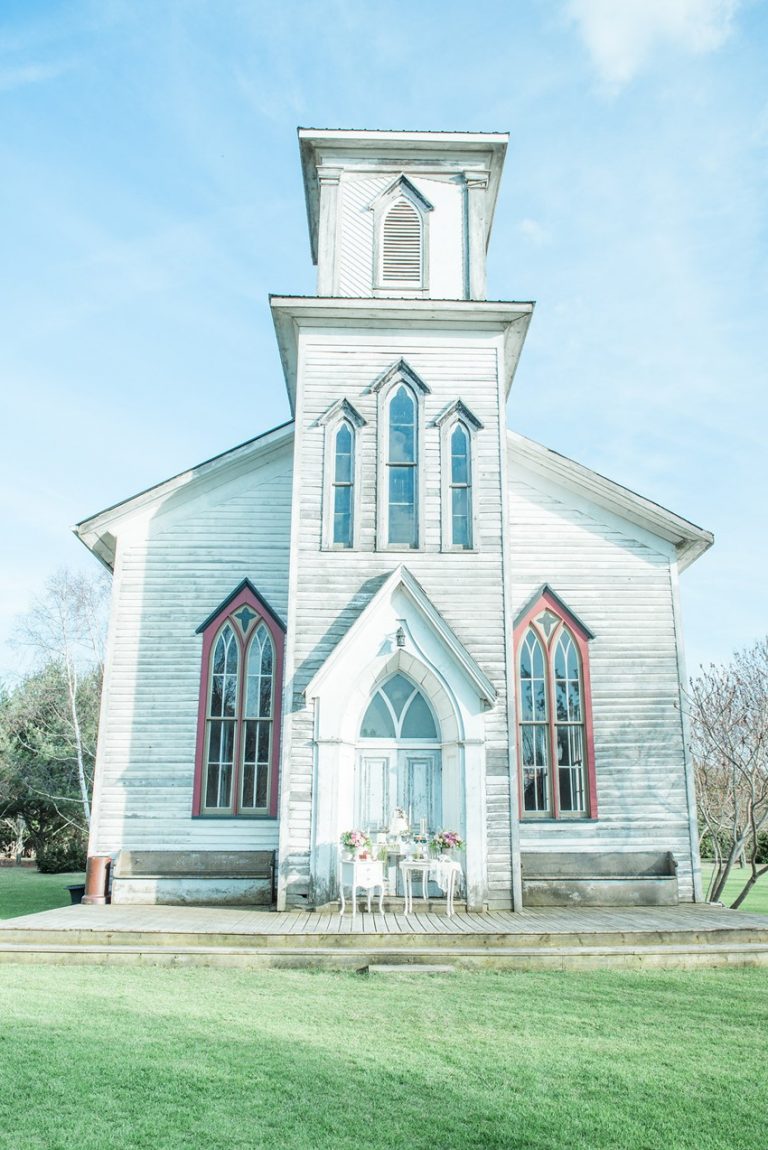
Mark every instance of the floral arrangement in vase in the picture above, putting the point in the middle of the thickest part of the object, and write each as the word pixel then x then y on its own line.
pixel 444 841
pixel 355 842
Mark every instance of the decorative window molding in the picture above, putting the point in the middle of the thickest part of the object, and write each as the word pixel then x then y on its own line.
pixel 238 729
pixel 400 502
pixel 341 476
pixel 458 427
pixel 554 708
pixel 401 238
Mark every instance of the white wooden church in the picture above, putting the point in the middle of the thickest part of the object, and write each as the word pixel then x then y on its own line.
pixel 393 601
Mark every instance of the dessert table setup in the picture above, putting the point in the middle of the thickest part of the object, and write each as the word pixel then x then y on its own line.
pixel 385 865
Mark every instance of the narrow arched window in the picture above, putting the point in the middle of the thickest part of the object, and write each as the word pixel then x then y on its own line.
pixel 238 736
pixel 343 485
pixel 221 723
pixel 401 245
pixel 402 467
pixel 556 744
pixel 258 708
pixel 461 488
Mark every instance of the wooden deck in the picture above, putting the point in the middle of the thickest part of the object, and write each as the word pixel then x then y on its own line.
pixel 538 937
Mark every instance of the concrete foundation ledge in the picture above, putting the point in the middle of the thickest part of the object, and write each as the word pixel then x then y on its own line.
pixel 192 891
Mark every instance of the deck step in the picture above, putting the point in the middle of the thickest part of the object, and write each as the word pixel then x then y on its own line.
pixel 408 968
pixel 422 960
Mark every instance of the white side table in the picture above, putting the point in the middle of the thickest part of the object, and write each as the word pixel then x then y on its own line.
pixel 409 867
pixel 446 872
pixel 361 874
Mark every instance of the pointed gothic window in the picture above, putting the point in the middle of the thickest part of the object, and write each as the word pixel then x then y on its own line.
pixel 402 468
pixel 461 488
pixel 556 757
pixel 238 733
pixel 343 485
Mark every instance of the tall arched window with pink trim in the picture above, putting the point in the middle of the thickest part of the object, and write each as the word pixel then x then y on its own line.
pixel 237 760
pixel 555 738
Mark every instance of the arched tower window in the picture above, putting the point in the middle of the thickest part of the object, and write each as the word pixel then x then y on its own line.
pixel 400 231
pixel 239 716
pixel 402 469
pixel 401 245
pixel 554 713
pixel 343 485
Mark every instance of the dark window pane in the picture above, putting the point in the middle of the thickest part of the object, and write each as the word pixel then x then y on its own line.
pixel 263 742
pixel 377 721
pixel 342 515
pixel 267 657
pixel 402 525
pixel 526 700
pixel 265 699
pixel 262 781
pixel 460 516
pixel 249 779
pixel 219 656
pixel 217 688
pixel 343 469
pixel 561 702
pixel 459 456
pixel 249 742
pixel 231 646
pixel 229 700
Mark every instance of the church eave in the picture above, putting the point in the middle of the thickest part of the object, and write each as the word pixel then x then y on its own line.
pixel 94 532
pixel 689 540
pixel 290 313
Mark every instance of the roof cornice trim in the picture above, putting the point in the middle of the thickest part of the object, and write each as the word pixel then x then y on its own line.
pixel 690 541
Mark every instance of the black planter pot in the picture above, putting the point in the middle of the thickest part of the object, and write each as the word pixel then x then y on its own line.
pixel 76 892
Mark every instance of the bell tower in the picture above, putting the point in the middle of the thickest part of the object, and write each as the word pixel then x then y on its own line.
pixel 398 372
pixel 401 214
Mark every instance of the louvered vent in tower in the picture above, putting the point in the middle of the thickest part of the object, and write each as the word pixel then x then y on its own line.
pixel 401 246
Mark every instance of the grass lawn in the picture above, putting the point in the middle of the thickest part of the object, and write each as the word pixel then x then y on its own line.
pixel 24 891
pixel 96 1058
pixel 101 1058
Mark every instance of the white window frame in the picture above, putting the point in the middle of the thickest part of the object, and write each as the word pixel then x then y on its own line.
pixel 340 412
pixel 401 189
pixel 457 412
pixel 386 386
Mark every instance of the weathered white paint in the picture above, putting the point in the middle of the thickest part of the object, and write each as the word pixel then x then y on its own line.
pixel 177 560
pixel 621 586
pixel 262 511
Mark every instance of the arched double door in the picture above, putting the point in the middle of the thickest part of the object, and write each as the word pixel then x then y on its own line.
pixel 398 759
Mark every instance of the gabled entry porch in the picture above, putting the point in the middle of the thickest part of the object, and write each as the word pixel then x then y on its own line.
pixel 399 724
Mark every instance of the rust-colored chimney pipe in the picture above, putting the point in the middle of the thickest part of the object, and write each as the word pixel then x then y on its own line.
pixel 96 880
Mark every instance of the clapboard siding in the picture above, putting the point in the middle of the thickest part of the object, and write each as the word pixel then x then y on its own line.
pixel 333 587
pixel 621 588
pixel 173 570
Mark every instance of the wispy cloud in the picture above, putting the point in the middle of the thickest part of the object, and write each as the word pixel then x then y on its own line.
pixel 25 74
pixel 622 36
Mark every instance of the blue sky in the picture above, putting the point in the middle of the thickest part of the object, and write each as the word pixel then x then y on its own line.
pixel 151 198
